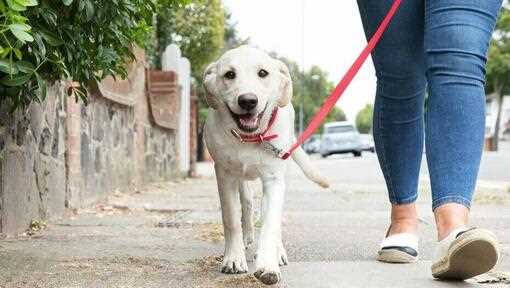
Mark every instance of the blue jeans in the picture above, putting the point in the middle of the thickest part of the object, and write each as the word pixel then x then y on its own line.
pixel 436 48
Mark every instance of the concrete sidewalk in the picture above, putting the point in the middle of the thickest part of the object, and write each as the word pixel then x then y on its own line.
pixel 170 235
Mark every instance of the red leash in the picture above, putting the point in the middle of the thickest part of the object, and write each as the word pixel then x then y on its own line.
pixel 344 83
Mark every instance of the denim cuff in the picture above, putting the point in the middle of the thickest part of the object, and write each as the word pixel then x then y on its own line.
pixel 451 199
pixel 396 201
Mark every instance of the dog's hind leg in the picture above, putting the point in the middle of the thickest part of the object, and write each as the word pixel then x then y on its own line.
pixel 234 261
pixel 246 192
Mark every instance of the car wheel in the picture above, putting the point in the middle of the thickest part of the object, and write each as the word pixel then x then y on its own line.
pixel 324 155
pixel 357 153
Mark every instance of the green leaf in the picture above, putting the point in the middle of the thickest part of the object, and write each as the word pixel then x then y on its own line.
pixel 8 67
pixel 15 81
pixel 67 2
pixel 27 2
pixel 25 67
pixel 20 31
pixel 43 88
pixel 89 10
pixel 5 52
pixel 20 26
pixel 18 53
pixel 22 36
pixel 51 38
pixel 15 6
pixel 40 44
pixel 17 18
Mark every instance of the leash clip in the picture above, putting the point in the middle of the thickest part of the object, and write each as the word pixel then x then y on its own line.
pixel 279 153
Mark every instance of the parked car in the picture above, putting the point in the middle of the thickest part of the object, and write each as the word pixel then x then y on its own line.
pixel 312 145
pixel 367 142
pixel 340 137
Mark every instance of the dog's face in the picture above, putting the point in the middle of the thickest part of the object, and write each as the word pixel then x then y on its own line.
pixel 247 83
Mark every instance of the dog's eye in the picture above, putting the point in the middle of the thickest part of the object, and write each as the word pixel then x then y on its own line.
pixel 263 73
pixel 231 75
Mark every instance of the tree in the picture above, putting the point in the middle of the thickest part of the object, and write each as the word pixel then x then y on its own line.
pixel 198 28
pixel 314 86
pixel 364 119
pixel 336 114
pixel 498 67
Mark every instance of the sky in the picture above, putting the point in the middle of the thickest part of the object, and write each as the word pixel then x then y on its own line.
pixel 311 32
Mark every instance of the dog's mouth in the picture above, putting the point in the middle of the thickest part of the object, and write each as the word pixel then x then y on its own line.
pixel 248 122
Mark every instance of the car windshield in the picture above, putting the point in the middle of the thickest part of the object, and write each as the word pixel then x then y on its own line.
pixel 339 129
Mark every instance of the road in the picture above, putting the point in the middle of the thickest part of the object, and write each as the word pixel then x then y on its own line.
pixel 170 234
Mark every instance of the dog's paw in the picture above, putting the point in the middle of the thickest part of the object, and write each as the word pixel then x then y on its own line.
pixel 282 255
pixel 267 269
pixel 234 264
pixel 268 277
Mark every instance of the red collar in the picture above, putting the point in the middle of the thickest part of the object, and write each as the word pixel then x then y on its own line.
pixel 261 137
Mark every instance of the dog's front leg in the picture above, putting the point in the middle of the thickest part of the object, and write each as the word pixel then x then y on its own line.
pixel 234 261
pixel 268 253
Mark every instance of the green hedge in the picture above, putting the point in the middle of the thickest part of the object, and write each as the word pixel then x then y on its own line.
pixel 79 40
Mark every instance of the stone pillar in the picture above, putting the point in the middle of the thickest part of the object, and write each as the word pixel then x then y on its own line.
pixel 193 133
pixel 73 153
pixel 142 123
pixel 184 135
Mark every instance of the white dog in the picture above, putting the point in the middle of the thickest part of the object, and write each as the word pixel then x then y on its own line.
pixel 249 96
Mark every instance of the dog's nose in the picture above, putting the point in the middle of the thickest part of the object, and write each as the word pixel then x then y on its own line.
pixel 248 101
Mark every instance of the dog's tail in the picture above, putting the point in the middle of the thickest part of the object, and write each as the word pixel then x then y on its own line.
pixel 306 166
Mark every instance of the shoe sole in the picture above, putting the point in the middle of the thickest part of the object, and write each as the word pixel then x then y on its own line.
pixel 473 253
pixel 395 256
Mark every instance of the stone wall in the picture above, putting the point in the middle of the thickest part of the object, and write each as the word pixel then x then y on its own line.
pixel 62 154
pixel 108 157
pixel 32 162
pixel 160 157
pixel 106 149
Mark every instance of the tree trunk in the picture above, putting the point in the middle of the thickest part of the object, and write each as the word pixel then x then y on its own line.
pixel 495 142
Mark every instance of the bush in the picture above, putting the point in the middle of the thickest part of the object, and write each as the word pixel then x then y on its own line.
pixel 78 40
pixel 364 119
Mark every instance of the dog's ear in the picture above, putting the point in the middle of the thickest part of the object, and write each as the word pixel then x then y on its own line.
pixel 285 84
pixel 209 80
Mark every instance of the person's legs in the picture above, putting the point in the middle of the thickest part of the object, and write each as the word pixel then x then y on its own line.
pixel 457 36
pixel 398 112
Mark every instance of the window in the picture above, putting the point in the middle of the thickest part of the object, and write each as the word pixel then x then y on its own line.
pixel 340 129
